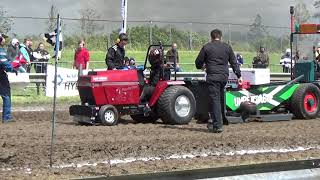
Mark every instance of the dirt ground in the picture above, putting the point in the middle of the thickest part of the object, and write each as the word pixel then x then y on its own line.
pixel 25 146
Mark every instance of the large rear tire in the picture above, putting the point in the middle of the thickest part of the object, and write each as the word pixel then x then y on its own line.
pixel 176 105
pixel 108 115
pixel 305 102
pixel 140 118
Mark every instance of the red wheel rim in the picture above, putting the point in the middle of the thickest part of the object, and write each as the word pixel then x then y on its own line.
pixel 310 102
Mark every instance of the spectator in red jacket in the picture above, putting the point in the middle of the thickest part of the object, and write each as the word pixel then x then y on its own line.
pixel 81 57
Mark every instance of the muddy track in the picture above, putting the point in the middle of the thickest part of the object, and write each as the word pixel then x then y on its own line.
pixel 26 144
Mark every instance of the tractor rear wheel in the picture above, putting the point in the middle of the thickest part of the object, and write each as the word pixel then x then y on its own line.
pixel 108 115
pixel 176 105
pixel 305 102
pixel 140 118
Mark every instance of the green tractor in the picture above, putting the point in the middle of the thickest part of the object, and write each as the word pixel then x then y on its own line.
pixel 272 101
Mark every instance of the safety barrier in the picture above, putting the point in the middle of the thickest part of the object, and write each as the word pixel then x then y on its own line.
pixel 39 79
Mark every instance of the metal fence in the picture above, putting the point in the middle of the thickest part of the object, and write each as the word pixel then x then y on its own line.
pixel 188 35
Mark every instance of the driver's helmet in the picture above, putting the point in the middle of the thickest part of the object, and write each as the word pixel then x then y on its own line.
pixel 155 57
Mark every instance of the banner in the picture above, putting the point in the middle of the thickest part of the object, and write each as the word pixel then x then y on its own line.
pixel 66 82
pixel 19 81
pixel 124 10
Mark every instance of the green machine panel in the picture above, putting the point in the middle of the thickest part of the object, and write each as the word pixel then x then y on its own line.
pixel 306 68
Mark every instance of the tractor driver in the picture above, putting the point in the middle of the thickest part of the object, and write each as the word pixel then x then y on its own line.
pixel 116 53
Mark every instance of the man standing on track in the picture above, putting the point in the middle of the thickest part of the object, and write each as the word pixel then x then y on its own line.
pixel 116 53
pixel 214 57
pixel 5 91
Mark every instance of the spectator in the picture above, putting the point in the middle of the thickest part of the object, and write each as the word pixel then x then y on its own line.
pixel 30 52
pixel 285 61
pixel 5 91
pixel 173 54
pixel 81 56
pixel 240 59
pixel 13 50
pixel 261 60
pixel 41 58
pixel 24 54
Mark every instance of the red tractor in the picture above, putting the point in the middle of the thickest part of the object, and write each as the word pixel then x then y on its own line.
pixel 108 95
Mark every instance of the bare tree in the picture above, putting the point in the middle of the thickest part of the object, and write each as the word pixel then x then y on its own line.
pixel 302 14
pixel 87 24
pixel 257 29
pixel 52 18
pixel 5 23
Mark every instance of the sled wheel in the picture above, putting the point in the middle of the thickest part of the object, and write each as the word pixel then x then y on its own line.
pixel 176 105
pixel 140 118
pixel 305 102
pixel 108 115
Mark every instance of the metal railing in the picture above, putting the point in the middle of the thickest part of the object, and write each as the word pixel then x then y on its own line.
pixel 39 79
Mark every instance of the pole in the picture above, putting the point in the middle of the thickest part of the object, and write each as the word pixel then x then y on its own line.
pixel 124 9
pixel 55 90
pixel 190 38
pixel 150 33
pixel 229 32
pixel 170 32
pixel 291 41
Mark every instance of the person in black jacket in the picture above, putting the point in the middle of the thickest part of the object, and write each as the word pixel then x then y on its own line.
pixel 116 53
pixel 13 49
pixel 41 58
pixel 214 58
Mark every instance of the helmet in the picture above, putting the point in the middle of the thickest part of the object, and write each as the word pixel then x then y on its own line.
pixel 132 61
pixel 14 41
pixel 123 37
pixel 288 50
pixel 155 57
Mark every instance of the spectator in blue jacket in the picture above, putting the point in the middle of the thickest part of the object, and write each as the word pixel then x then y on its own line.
pixel 5 93
pixel 240 59
pixel 24 51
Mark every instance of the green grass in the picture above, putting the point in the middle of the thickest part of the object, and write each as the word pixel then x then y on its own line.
pixel 29 96
pixel 185 57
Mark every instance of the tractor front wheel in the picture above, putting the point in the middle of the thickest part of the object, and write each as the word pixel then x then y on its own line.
pixel 108 115
pixel 176 105
pixel 305 102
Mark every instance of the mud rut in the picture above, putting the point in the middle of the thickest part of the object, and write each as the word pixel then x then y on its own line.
pixel 25 144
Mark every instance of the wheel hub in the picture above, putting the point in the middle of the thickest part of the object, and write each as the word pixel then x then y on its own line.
pixel 182 106
pixel 310 102
pixel 109 116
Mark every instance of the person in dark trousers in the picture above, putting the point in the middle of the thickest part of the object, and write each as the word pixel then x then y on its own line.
pixel 116 53
pixel 30 52
pixel 5 91
pixel 214 58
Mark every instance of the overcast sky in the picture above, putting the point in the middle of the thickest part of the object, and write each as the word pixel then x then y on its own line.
pixel 274 12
